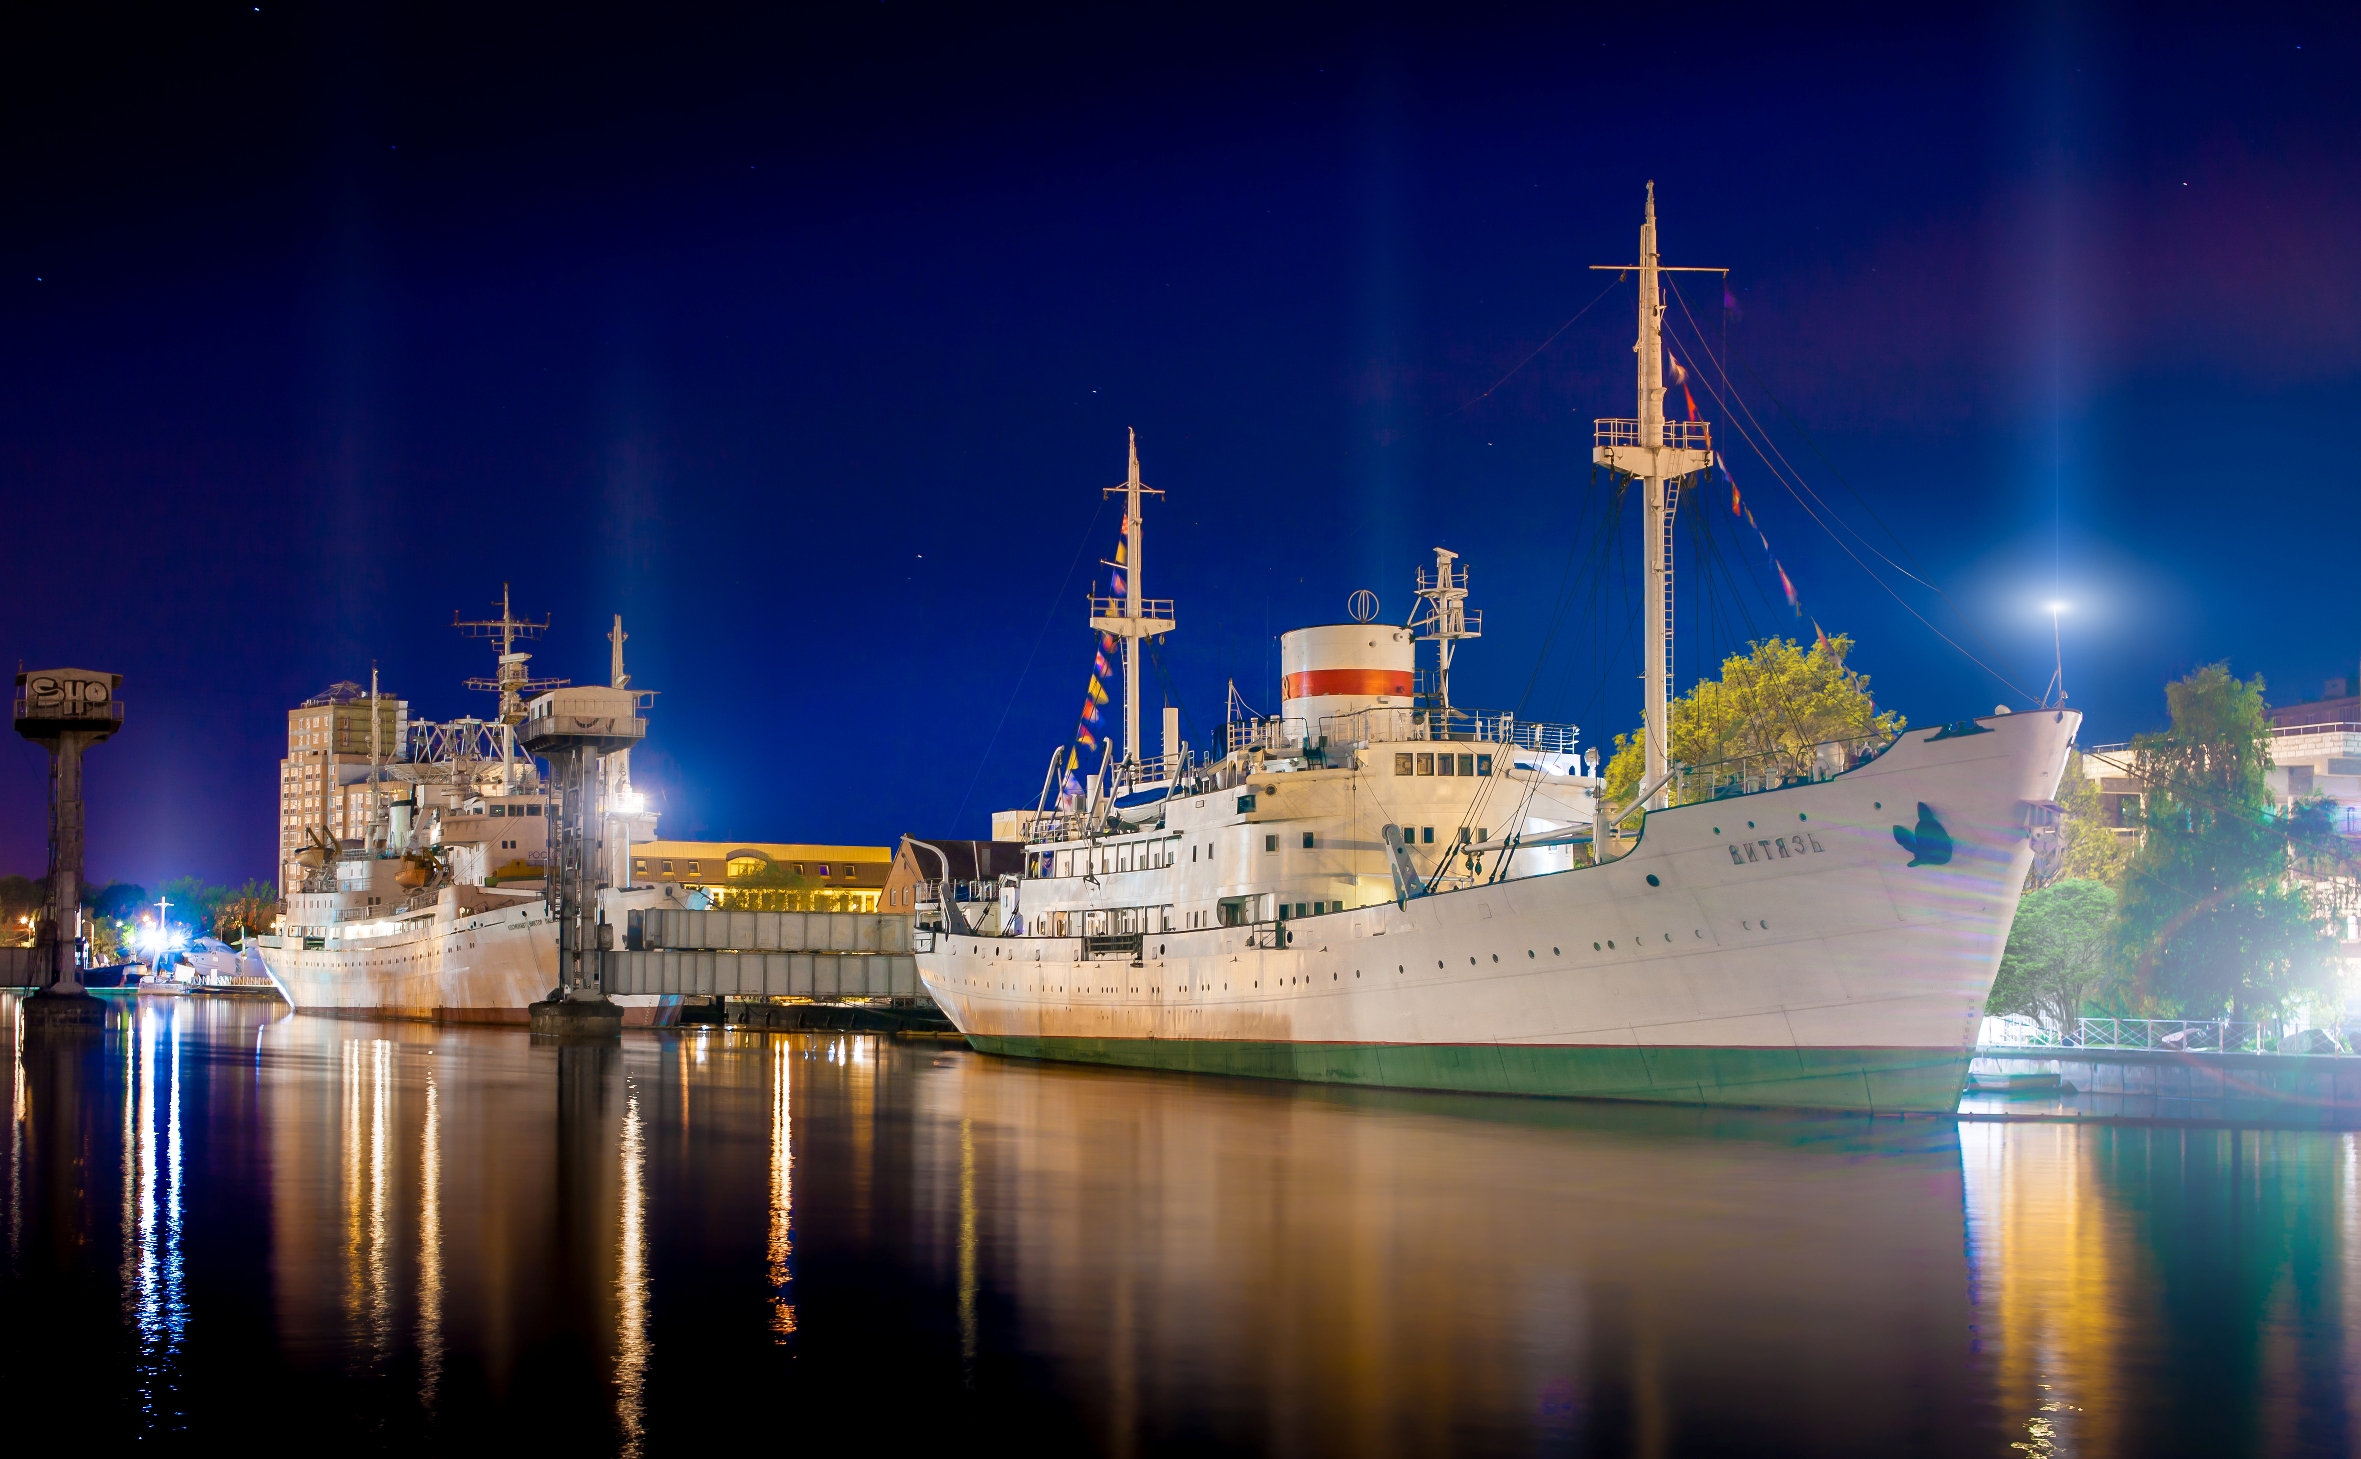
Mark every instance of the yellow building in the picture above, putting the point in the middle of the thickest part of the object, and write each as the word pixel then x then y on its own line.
pixel 768 875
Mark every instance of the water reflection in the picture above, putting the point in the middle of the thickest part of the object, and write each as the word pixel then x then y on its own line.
pixel 405 1236
pixel 153 1203
pixel 781 1266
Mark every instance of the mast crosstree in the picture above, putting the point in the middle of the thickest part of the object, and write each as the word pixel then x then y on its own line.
pixel 1659 453
pixel 514 681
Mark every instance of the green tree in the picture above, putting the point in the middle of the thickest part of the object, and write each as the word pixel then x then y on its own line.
pixel 2092 850
pixel 1777 701
pixel 2059 952
pixel 2213 922
pixel 251 908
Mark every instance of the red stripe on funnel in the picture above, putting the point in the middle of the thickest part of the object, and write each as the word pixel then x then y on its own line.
pixel 1312 683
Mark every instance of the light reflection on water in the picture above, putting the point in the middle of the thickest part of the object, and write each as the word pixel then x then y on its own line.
pixel 401 1235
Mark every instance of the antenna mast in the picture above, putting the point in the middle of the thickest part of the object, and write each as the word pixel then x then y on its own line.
pixel 1443 620
pixel 1131 617
pixel 514 682
pixel 1659 453
pixel 377 837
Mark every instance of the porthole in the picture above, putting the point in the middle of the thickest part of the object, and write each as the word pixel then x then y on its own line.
pixel 1766 926
pixel 1438 962
pixel 1553 952
pixel 1400 969
pixel 1750 825
pixel 1877 805
pixel 1652 880
pixel 1496 957
pixel 1799 815
pixel 1471 962
pixel 1610 942
pixel 1528 952
pixel 1594 947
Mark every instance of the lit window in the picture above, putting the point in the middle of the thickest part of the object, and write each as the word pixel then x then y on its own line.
pixel 692 868
pixel 823 868
pixel 668 865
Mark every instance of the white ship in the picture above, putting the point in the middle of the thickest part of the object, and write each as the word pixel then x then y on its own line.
pixel 443 910
pixel 1374 888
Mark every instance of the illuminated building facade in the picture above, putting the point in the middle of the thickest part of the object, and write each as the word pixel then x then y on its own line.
pixel 324 778
pixel 768 875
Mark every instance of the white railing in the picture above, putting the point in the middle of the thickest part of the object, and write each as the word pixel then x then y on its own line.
pixel 1772 769
pixel 1687 435
pixel 1276 734
pixel 1395 726
pixel 2172 1035
pixel 2290 731
pixel 1158 610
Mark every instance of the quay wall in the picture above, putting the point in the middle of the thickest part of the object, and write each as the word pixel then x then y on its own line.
pixel 2320 1091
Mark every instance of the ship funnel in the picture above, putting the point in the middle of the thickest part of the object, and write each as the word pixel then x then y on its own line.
pixel 1344 668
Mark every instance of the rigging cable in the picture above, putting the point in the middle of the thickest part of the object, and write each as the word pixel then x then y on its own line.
pixel 1792 489
pixel 1774 468
pixel 1018 684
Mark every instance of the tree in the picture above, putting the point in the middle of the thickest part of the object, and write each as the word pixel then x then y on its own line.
pixel 1777 701
pixel 2092 851
pixel 246 909
pixel 21 901
pixel 2212 919
pixel 2059 951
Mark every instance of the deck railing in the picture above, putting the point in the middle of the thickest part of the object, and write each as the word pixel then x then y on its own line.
pixel 1686 435
pixel 1772 769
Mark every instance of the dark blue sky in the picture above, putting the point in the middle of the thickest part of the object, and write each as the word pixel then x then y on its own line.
pixel 806 344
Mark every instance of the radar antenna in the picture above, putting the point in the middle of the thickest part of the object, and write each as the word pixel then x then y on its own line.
pixel 514 682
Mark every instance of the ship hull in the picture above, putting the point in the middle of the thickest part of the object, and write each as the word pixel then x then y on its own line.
pixel 484 967
pixel 444 973
pixel 1898 1079
pixel 1828 945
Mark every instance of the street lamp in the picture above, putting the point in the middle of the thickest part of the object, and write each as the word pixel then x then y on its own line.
pixel 2057 678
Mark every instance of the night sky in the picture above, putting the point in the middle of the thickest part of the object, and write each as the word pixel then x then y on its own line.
pixel 807 342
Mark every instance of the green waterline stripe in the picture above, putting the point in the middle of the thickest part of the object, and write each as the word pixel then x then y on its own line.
pixel 1887 1080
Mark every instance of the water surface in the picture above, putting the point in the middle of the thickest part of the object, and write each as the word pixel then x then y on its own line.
pixel 235 1224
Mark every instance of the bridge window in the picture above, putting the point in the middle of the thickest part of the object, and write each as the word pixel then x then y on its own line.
pixel 1427 834
pixel 1426 764
pixel 1403 762
pixel 1446 764
pixel 667 866
pixel 1307 840
pixel 1483 764
pixel 1270 843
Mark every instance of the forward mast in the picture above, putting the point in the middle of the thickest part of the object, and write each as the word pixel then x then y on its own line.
pixel 1132 617
pixel 1659 453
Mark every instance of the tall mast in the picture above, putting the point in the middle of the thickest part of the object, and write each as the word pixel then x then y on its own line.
pixel 1133 616
pixel 514 681
pixel 1443 618
pixel 1658 453
pixel 376 773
